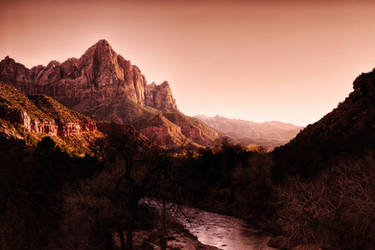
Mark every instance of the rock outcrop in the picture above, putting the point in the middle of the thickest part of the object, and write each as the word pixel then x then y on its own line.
pixel 106 87
pixel 160 97
pixel 37 116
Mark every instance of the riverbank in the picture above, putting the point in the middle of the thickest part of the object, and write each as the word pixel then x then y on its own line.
pixel 213 229
pixel 258 218
pixel 177 238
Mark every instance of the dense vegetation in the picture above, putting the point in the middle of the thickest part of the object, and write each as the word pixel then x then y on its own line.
pixel 227 179
pixel 31 178
pixel 325 191
pixel 53 200
pixel 333 209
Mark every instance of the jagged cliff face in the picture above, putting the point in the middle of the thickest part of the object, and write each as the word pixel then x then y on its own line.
pixel 99 76
pixel 160 97
pixel 106 87
pixel 34 117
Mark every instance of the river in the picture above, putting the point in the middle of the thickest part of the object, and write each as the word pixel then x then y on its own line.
pixel 221 231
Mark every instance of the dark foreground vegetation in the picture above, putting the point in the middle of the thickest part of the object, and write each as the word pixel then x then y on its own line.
pixel 333 209
pixel 31 211
pixel 325 176
pixel 53 200
pixel 227 179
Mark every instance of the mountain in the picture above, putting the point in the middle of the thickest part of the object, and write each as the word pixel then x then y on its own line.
pixel 347 131
pixel 266 134
pixel 103 85
pixel 31 118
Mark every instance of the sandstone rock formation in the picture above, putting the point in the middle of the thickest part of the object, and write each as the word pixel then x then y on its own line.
pixel 97 76
pixel 106 87
pixel 160 97
pixel 38 116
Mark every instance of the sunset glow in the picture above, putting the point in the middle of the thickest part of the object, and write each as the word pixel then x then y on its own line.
pixel 290 62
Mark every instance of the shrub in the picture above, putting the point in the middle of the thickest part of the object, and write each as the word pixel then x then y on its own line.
pixel 335 208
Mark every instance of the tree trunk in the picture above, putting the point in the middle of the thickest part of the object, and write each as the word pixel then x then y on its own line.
pixel 129 240
pixel 164 222
pixel 122 240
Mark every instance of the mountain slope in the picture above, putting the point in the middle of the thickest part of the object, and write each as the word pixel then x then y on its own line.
pixel 266 134
pixel 348 130
pixel 106 87
pixel 32 118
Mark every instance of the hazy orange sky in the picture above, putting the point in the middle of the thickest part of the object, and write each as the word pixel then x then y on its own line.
pixel 288 61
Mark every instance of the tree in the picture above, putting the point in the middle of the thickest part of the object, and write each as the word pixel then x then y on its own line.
pixel 141 162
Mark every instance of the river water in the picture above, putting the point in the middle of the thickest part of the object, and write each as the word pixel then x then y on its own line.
pixel 224 232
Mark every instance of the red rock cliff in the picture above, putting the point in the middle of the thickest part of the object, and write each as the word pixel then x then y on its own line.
pixel 40 114
pixel 98 76
pixel 106 87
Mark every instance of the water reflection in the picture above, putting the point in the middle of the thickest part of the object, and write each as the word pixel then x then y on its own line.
pixel 224 232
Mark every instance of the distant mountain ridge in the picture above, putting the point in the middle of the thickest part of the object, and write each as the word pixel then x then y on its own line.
pixel 106 87
pixel 267 134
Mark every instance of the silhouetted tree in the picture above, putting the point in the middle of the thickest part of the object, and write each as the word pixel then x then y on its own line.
pixel 141 163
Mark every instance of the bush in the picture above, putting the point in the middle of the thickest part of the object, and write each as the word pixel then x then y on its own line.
pixel 335 208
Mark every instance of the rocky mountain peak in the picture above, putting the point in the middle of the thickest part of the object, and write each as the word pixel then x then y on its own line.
pixel 102 42
pixel 102 46
pixel 7 59
pixel 160 97
pixel 105 86
pixel 99 76
pixel 100 51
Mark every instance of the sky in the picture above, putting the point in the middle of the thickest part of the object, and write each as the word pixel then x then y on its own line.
pixel 291 61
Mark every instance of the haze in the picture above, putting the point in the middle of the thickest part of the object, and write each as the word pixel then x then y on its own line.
pixel 291 62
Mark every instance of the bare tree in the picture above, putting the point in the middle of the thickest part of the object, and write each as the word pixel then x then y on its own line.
pixel 141 164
